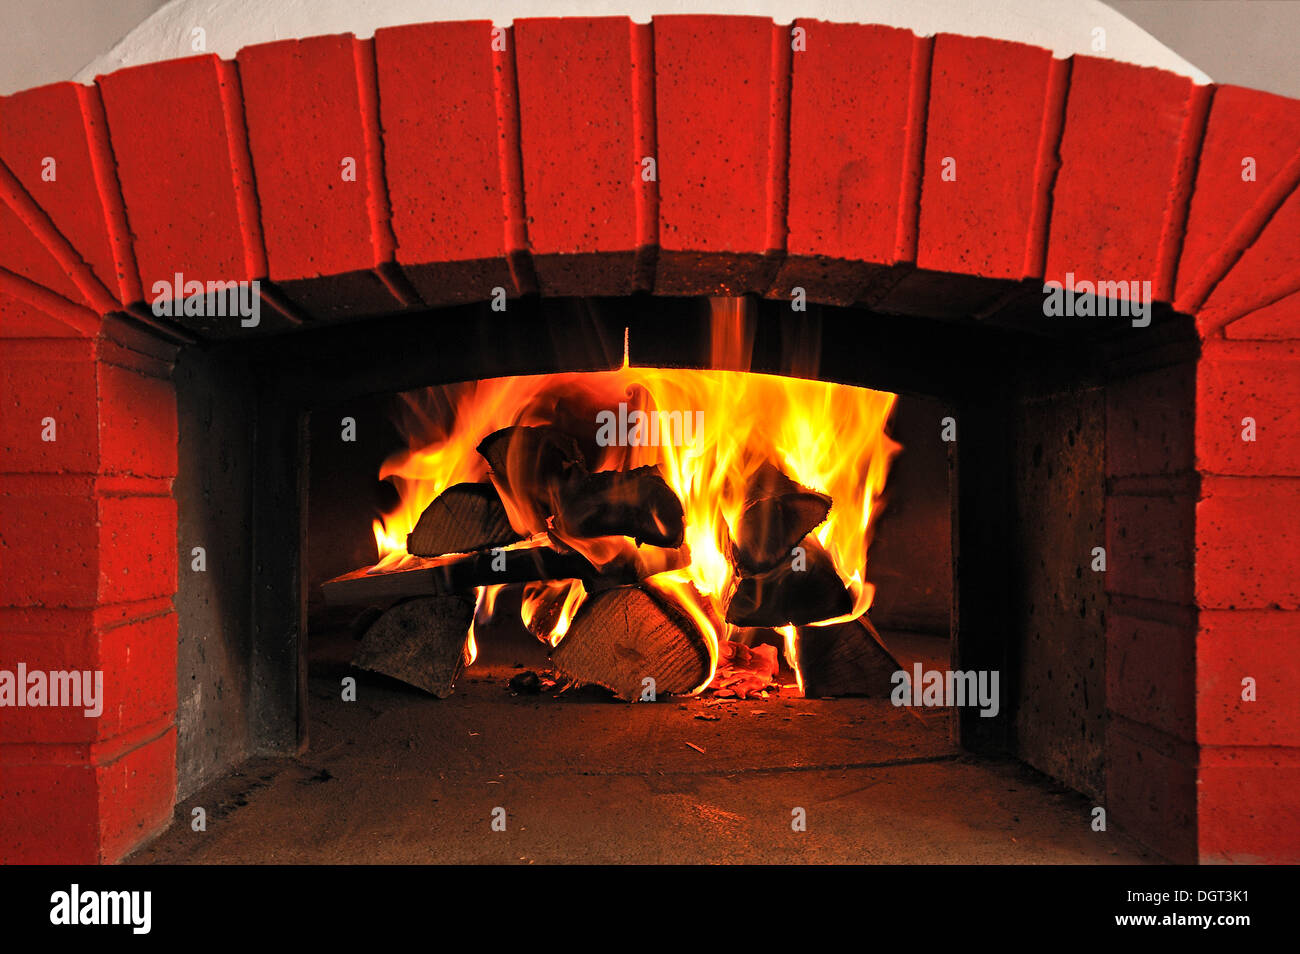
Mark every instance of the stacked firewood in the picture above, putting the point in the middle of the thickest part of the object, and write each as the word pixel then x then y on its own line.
pixel 543 515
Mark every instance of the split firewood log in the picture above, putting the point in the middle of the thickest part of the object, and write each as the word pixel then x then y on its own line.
pixel 621 637
pixel 464 572
pixel 461 519
pixel 778 513
pixel 421 642
pixel 532 469
pixel 845 659
pixel 635 503
pixel 804 588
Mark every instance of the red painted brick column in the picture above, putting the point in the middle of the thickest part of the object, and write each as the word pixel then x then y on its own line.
pixel 454 162
pixel 88 544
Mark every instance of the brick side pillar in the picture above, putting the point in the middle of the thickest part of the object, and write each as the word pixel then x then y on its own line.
pixel 87 575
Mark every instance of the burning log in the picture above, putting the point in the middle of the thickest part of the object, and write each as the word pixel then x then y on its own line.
pixel 635 503
pixel 456 574
pixel 778 513
pixel 462 573
pixel 803 589
pixel 462 519
pixel 532 468
pixel 845 659
pixel 623 636
pixel 421 642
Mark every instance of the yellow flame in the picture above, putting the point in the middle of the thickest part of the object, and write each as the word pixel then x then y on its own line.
pixel 828 437
pixel 485 598
pixel 555 602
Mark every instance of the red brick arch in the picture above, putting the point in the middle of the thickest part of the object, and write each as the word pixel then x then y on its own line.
pixel 522 168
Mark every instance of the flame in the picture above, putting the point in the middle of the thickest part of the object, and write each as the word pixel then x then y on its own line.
pixel 553 603
pixel 485 599
pixel 828 437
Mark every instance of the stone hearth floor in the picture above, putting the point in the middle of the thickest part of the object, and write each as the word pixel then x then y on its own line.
pixel 400 777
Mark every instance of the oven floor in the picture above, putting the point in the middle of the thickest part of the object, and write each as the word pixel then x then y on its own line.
pixel 400 777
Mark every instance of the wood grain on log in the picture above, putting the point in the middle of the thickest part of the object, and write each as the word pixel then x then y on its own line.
pixel 845 659
pixel 461 519
pixel 421 642
pixel 623 636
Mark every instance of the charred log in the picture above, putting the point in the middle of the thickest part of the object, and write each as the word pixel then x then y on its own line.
pixel 533 468
pixel 845 659
pixel 462 573
pixel 635 503
pixel 778 513
pixel 803 589
pixel 458 574
pixel 461 519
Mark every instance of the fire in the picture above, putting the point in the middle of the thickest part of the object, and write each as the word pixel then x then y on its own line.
pixel 712 430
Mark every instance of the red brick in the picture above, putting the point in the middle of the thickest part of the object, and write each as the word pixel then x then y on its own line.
pixel 1248 811
pixel 1259 381
pixel 1150 421
pixel 1264 645
pixel 48 813
pixel 55 121
pixel 92 809
pixel 445 189
pixel 1149 547
pixel 1248 543
pixel 22 253
pixel 32 389
pixel 136 794
pixel 73 649
pixel 849 102
pixel 716 92
pixel 986 113
pixel 48 549
pixel 137 423
pixel 137 548
pixel 1279 321
pixel 1119 158
pixel 181 189
pixel 1242 122
pixel 1151 673
pixel 1151 789
pixel 582 175
pixel 320 241
pixel 19 319
pixel 138 660
pixel 1266 271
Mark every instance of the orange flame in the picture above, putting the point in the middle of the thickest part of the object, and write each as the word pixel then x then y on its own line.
pixel 714 429
pixel 550 606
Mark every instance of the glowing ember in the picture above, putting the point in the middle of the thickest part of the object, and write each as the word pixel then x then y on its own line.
pixel 707 431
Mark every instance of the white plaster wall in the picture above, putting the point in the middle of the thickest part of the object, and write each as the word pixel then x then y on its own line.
pixel 1063 26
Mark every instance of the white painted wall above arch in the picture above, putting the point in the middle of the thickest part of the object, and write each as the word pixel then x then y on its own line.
pixel 1065 27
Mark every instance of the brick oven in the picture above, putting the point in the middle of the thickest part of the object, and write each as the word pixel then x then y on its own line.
pixel 456 201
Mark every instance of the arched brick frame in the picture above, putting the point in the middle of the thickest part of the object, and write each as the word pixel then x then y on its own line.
pixel 522 168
